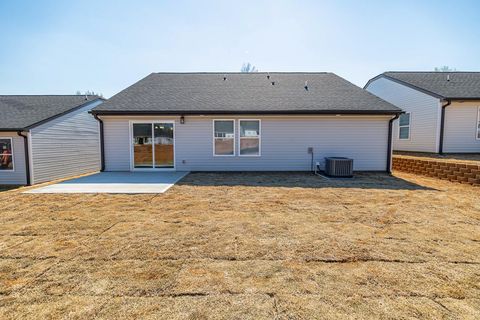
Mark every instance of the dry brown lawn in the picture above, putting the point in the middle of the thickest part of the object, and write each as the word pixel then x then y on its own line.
pixel 246 246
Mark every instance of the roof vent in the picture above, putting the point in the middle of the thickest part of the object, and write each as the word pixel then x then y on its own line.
pixel 448 77
pixel 306 85
pixel 273 83
pixel 86 97
pixel 224 77
pixel 268 75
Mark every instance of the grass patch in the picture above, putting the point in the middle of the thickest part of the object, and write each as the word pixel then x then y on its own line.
pixel 246 246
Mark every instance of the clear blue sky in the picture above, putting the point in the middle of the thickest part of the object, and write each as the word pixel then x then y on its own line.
pixel 58 47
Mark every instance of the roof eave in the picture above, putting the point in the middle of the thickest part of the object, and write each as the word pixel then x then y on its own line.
pixel 460 98
pixel 261 112
pixel 13 129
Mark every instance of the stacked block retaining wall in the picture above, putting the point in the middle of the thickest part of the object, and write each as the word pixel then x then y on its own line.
pixel 446 170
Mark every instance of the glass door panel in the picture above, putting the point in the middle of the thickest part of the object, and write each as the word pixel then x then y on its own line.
pixel 163 139
pixel 142 145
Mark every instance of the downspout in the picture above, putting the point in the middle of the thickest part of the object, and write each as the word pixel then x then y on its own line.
pixel 27 157
pixel 102 146
pixel 442 126
pixel 389 144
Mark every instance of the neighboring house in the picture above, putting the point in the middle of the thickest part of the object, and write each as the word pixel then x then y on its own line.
pixel 442 110
pixel 243 122
pixel 47 137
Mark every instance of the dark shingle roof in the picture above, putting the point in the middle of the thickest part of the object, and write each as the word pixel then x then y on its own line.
pixel 449 85
pixel 20 112
pixel 209 93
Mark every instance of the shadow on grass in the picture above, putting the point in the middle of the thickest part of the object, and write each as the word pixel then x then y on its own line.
pixel 361 180
pixel 127 178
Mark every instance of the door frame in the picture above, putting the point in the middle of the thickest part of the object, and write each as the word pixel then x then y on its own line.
pixel 130 144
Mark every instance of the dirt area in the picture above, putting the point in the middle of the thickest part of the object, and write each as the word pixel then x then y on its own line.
pixel 467 158
pixel 246 246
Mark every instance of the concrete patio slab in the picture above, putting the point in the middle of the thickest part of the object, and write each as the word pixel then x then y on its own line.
pixel 116 182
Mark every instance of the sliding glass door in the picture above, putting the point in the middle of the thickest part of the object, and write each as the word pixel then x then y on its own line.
pixel 153 146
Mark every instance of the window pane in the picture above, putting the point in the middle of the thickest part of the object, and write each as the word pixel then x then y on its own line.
pixel 250 146
pixel 405 119
pixel 223 147
pixel 404 132
pixel 163 133
pixel 6 159
pixel 5 145
pixel 224 129
pixel 142 145
pixel 249 128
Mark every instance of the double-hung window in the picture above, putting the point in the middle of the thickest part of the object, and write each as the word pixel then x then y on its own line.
pixel 6 154
pixel 224 137
pixel 249 137
pixel 478 123
pixel 404 126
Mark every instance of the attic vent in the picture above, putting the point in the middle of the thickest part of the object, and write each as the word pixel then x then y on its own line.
pixel 224 78
pixel 273 83
pixel 268 76
pixel 306 85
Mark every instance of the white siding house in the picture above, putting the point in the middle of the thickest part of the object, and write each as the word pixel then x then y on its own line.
pixel 15 171
pixel 284 142
pixel 424 110
pixel 244 122
pixel 430 99
pixel 54 137
pixel 462 127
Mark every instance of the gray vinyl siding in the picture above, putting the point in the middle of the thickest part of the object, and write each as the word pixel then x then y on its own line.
pixel 66 146
pixel 461 127
pixel 284 143
pixel 117 144
pixel 425 115
pixel 18 175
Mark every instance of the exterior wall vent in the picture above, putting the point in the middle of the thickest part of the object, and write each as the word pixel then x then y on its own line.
pixel 339 167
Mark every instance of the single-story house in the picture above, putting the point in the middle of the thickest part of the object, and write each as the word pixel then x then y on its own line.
pixel 243 122
pixel 47 137
pixel 442 110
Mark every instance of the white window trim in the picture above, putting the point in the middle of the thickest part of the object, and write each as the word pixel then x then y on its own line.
pixel 214 138
pixel 130 138
pixel 12 154
pixel 409 127
pixel 478 125
pixel 259 138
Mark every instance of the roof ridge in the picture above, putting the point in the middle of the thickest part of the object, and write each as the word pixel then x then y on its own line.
pixel 259 72
pixel 439 72
pixel 48 95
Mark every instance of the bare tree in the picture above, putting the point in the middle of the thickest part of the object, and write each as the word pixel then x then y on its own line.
pixel 88 93
pixel 444 69
pixel 248 67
